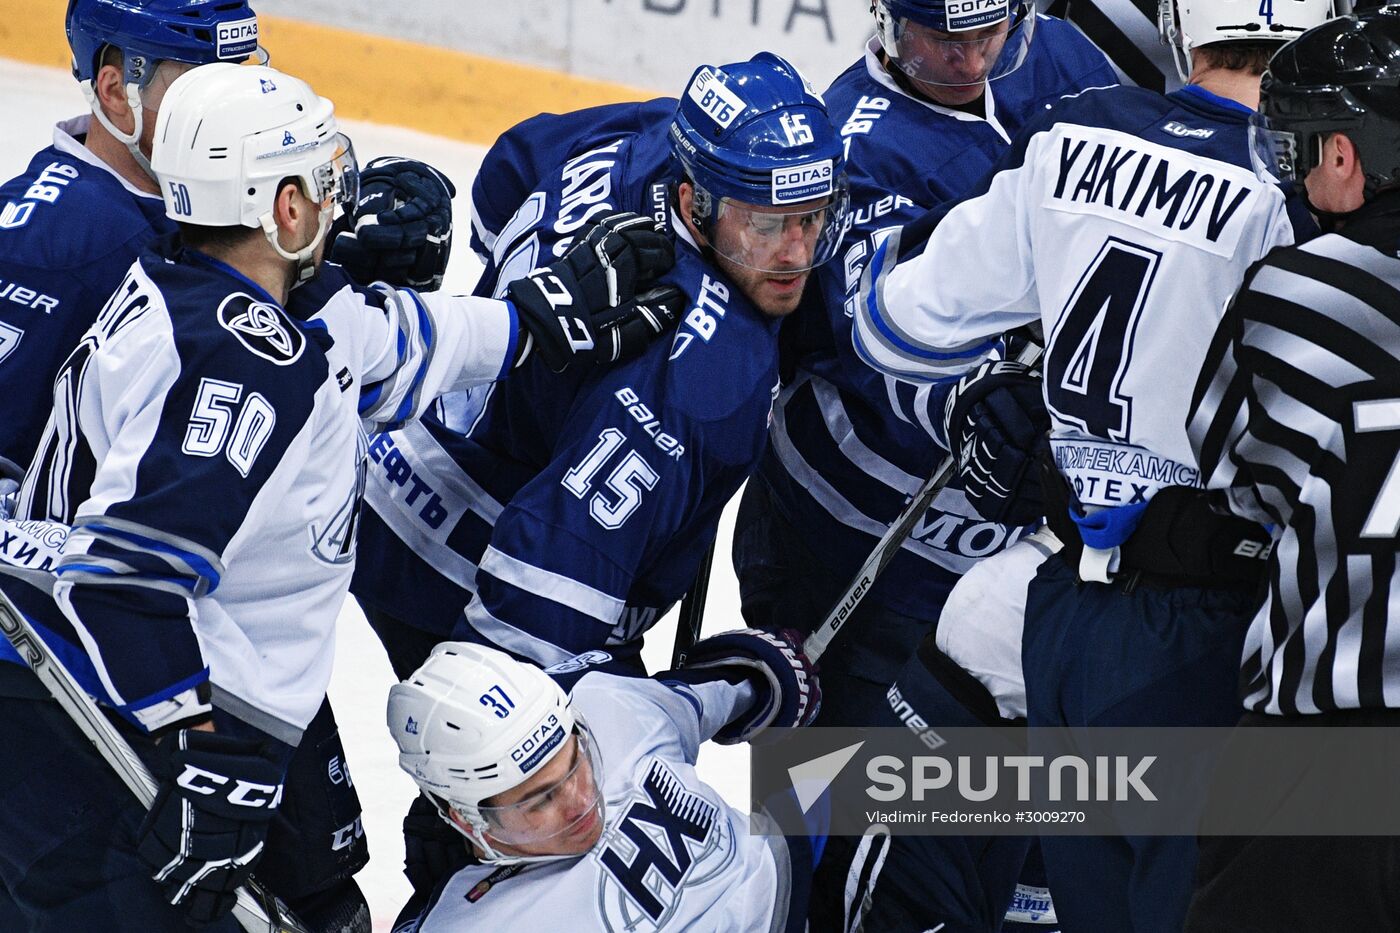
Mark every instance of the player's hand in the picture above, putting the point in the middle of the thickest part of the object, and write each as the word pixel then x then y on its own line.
pixel 401 230
pixel 584 307
pixel 996 424
pixel 433 850
pixel 784 680
pixel 206 829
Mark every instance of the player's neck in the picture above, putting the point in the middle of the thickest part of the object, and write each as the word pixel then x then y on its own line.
pixel 1239 86
pixel 255 259
pixel 114 152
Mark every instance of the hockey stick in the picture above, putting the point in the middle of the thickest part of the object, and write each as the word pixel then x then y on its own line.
pixel 256 909
pixel 692 613
pixel 890 543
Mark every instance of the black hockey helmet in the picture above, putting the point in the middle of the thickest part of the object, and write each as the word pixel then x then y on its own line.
pixel 1340 77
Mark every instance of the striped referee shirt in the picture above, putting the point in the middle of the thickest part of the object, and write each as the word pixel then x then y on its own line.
pixel 1296 416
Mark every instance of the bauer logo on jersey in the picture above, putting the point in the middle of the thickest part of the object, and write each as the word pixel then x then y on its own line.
pixel 974 14
pixel 237 40
pixel 802 182
pixel 542 739
pixel 720 103
pixel 263 328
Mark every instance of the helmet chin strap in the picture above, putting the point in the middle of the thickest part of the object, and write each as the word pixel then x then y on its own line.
pixel 131 140
pixel 304 257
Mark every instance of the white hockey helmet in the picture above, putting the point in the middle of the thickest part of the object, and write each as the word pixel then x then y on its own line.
pixel 227 135
pixel 1188 24
pixel 471 723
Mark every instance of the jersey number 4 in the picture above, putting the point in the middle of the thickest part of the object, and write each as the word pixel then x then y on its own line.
pixel 626 481
pixel 1091 347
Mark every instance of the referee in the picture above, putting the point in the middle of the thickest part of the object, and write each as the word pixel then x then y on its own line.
pixel 1296 416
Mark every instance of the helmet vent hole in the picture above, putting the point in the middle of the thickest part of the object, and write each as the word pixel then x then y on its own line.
pixel 453 726
pixel 252 191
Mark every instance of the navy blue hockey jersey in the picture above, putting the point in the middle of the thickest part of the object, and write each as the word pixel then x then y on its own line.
pixel 849 444
pixel 575 508
pixel 69 229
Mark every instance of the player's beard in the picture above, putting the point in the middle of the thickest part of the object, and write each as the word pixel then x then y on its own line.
pixel 775 294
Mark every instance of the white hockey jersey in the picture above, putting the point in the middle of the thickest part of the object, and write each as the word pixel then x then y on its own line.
pixel 673 855
pixel 207 448
pixel 1123 221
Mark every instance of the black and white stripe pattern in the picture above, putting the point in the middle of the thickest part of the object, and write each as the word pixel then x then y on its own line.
pixel 1297 417
pixel 1126 30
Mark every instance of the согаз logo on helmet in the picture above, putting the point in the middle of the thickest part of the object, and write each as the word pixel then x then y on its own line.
pixel 237 39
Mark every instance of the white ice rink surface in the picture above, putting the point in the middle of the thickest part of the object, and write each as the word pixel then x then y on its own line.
pixel 32 99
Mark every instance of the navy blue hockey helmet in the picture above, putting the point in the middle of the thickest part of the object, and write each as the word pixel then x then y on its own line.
pixel 151 31
pixel 756 143
pixel 958 43
pixel 1340 77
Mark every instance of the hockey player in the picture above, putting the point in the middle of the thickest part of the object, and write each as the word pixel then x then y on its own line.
pixel 568 514
pixel 1135 215
pixel 586 804
pixel 72 224
pixel 1293 417
pixel 924 114
pixel 70 227
pixel 207 448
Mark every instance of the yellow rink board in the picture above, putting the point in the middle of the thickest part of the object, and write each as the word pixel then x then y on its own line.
pixel 390 81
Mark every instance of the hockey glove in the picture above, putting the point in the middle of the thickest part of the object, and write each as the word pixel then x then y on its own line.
pixel 401 231
pixel 432 849
pixel 206 829
pixel 788 694
pixel 996 423
pixel 592 305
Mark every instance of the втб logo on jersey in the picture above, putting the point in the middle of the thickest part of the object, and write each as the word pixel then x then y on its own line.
pixel 668 839
pixel 263 328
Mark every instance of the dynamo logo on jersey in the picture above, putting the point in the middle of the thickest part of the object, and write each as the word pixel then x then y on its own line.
pixel 236 40
pixel 719 103
pixel 802 182
pixel 264 329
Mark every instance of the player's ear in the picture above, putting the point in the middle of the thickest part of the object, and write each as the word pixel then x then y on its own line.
pixel 289 209
pixel 111 92
pixel 685 206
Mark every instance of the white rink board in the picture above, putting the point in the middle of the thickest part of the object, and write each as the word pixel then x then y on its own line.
pixel 36 98
pixel 644 43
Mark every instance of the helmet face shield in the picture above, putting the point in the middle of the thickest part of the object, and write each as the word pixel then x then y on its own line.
pixel 780 239
pixel 1273 153
pixel 959 58
pixel 339 179
pixel 566 808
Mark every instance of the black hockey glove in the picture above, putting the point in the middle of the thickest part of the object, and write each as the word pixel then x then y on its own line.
pixel 401 230
pixel 206 829
pixel 432 849
pixel 785 682
pixel 592 305
pixel 996 424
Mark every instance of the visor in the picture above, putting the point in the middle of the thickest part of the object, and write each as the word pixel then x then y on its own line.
pixel 1273 153
pixel 960 59
pixel 339 179
pixel 778 240
pixel 536 819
